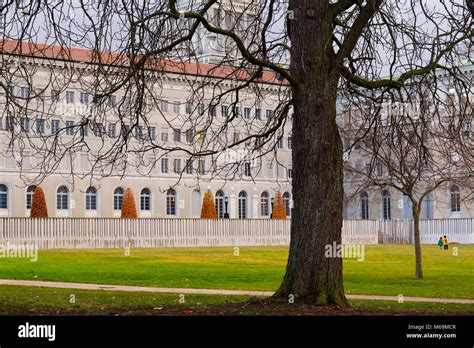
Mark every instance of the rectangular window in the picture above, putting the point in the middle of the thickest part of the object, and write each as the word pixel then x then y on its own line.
pixel 112 130
pixel 247 169
pixel 269 114
pixel 189 136
pixel 153 133
pixel 290 143
pixel 379 169
pixel 69 127
pixel 40 126
pixel 54 126
pixel 177 166
pixel 70 97
pixel 126 129
pixel 200 109
pixel 25 124
pixel 139 132
pixel 290 172
pixel 84 130
pixel 112 100
pixel 164 134
pixel 11 90
pixel 164 106
pixel 9 126
pixel 25 92
pixel 189 107
pixel 247 113
pixel 176 107
pixel 224 111
pixel 164 165
pixel 213 110
pixel 55 95
pixel 177 135
pixel 97 130
pixel 201 167
pixel 237 112
pixel 236 137
pixel 258 114
pixel 280 143
pixel 189 167
pixel 84 98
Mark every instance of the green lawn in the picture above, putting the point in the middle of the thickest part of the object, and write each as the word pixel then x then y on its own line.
pixel 22 300
pixel 386 269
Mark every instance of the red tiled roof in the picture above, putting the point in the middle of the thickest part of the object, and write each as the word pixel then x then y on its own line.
pixel 47 51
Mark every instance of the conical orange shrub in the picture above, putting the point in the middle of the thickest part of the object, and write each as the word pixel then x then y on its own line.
pixel 38 204
pixel 208 210
pixel 279 211
pixel 129 209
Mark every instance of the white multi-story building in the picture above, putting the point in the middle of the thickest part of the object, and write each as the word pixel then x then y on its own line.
pixel 164 185
pixel 449 200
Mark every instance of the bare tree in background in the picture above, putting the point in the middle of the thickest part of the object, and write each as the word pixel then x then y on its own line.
pixel 331 45
pixel 420 140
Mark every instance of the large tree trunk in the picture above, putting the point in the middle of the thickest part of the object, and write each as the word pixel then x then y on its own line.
pixel 317 161
pixel 416 222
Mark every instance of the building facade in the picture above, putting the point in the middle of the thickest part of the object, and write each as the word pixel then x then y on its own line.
pixel 164 184
pixel 448 201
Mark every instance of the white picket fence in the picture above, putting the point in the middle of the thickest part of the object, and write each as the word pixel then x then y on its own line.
pixel 53 233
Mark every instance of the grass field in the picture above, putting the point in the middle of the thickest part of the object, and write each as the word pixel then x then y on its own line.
pixel 22 300
pixel 386 269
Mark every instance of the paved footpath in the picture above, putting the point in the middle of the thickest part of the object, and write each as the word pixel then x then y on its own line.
pixel 84 286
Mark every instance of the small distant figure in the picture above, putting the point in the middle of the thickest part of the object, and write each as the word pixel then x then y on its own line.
pixel 445 242
pixel 440 243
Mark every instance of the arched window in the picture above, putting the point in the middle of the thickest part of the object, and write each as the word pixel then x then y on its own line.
pixel 264 204
pixel 171 202
pixel 455 199
pixel 286 201
pixel 3 196
pixel 386 205
pixel 118 198
pixel 364 205
pixel 29 196
pixel 219 200
pixel 242 205
pixel 62 198
pixel 145 199
pixel 91 198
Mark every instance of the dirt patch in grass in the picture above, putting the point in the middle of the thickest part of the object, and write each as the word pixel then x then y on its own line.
pixel 254 307
pixel 283 308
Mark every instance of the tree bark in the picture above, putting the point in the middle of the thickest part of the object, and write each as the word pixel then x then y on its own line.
pixel 416 223
pixel 317 161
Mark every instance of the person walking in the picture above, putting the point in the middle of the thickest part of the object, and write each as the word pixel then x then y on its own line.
pixel 445 242
pixel 440 243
